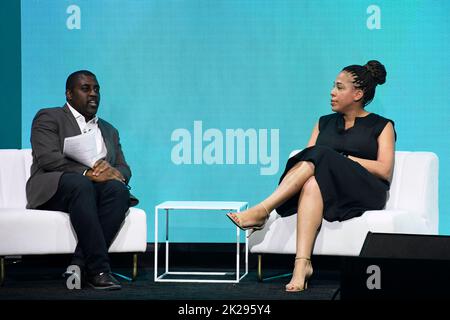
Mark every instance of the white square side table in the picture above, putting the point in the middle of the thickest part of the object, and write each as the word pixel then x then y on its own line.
pixel 199 205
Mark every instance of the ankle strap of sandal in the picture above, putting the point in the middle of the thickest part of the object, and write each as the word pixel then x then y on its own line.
pixel 265 208
pixel 303 258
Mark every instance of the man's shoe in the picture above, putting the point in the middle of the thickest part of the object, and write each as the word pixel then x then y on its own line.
pixel 104 281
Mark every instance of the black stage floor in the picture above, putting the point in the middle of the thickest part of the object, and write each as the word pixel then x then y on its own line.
pixel 47 284
pixel 39 282
pixel 35 284
pixel 40 278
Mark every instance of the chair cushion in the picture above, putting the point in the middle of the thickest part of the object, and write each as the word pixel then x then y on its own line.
pixel 335 238
pixel 24 231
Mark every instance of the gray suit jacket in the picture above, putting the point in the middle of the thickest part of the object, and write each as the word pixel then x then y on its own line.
pixel 50 127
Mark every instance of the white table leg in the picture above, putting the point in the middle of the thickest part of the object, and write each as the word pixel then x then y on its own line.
pixel 167 241
pixel 156 244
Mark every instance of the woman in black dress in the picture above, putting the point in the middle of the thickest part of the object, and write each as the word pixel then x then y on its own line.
pixel 345 170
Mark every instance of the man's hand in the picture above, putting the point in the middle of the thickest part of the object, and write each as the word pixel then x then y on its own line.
pixel 103 171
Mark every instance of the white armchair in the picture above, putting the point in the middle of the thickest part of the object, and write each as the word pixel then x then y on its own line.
pixel 412 208
pixel 29 232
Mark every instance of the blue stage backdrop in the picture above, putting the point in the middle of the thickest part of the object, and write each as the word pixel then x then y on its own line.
pixel 210 97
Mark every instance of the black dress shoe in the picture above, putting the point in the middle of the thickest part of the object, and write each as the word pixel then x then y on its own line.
pixel 104 281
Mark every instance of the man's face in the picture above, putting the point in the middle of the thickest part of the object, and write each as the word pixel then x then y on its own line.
pixel 84 96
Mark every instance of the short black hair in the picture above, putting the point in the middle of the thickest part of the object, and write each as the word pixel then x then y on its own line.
pixel 73 76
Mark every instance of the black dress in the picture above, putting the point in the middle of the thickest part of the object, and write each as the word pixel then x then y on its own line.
pixel 347 188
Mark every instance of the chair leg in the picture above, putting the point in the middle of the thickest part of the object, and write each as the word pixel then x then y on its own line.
pixel 135 259
pixel 133 272
pixel 259 274
pixel 2 270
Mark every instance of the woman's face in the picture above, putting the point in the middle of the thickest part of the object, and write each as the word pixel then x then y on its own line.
pixel 344 95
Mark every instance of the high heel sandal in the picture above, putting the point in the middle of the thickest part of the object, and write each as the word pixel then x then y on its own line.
pixel 298 288
pixel 235 219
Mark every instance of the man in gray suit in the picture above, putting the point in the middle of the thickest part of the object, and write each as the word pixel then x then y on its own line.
pixel 96 198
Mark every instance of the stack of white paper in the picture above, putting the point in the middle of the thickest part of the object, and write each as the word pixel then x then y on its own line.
pixel 82 148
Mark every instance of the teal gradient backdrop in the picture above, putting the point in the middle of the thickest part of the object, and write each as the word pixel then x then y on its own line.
pixel 10 64
pixel 262 66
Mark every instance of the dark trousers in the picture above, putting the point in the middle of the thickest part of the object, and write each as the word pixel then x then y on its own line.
pixel 96 211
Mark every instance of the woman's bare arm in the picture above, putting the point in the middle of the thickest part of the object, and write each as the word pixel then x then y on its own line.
pixel 384 165
pixel 314 134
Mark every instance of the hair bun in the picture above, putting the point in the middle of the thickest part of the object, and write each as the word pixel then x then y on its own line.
pixel 377 71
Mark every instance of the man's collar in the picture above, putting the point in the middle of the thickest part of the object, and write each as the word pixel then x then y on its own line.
pixel 76 114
